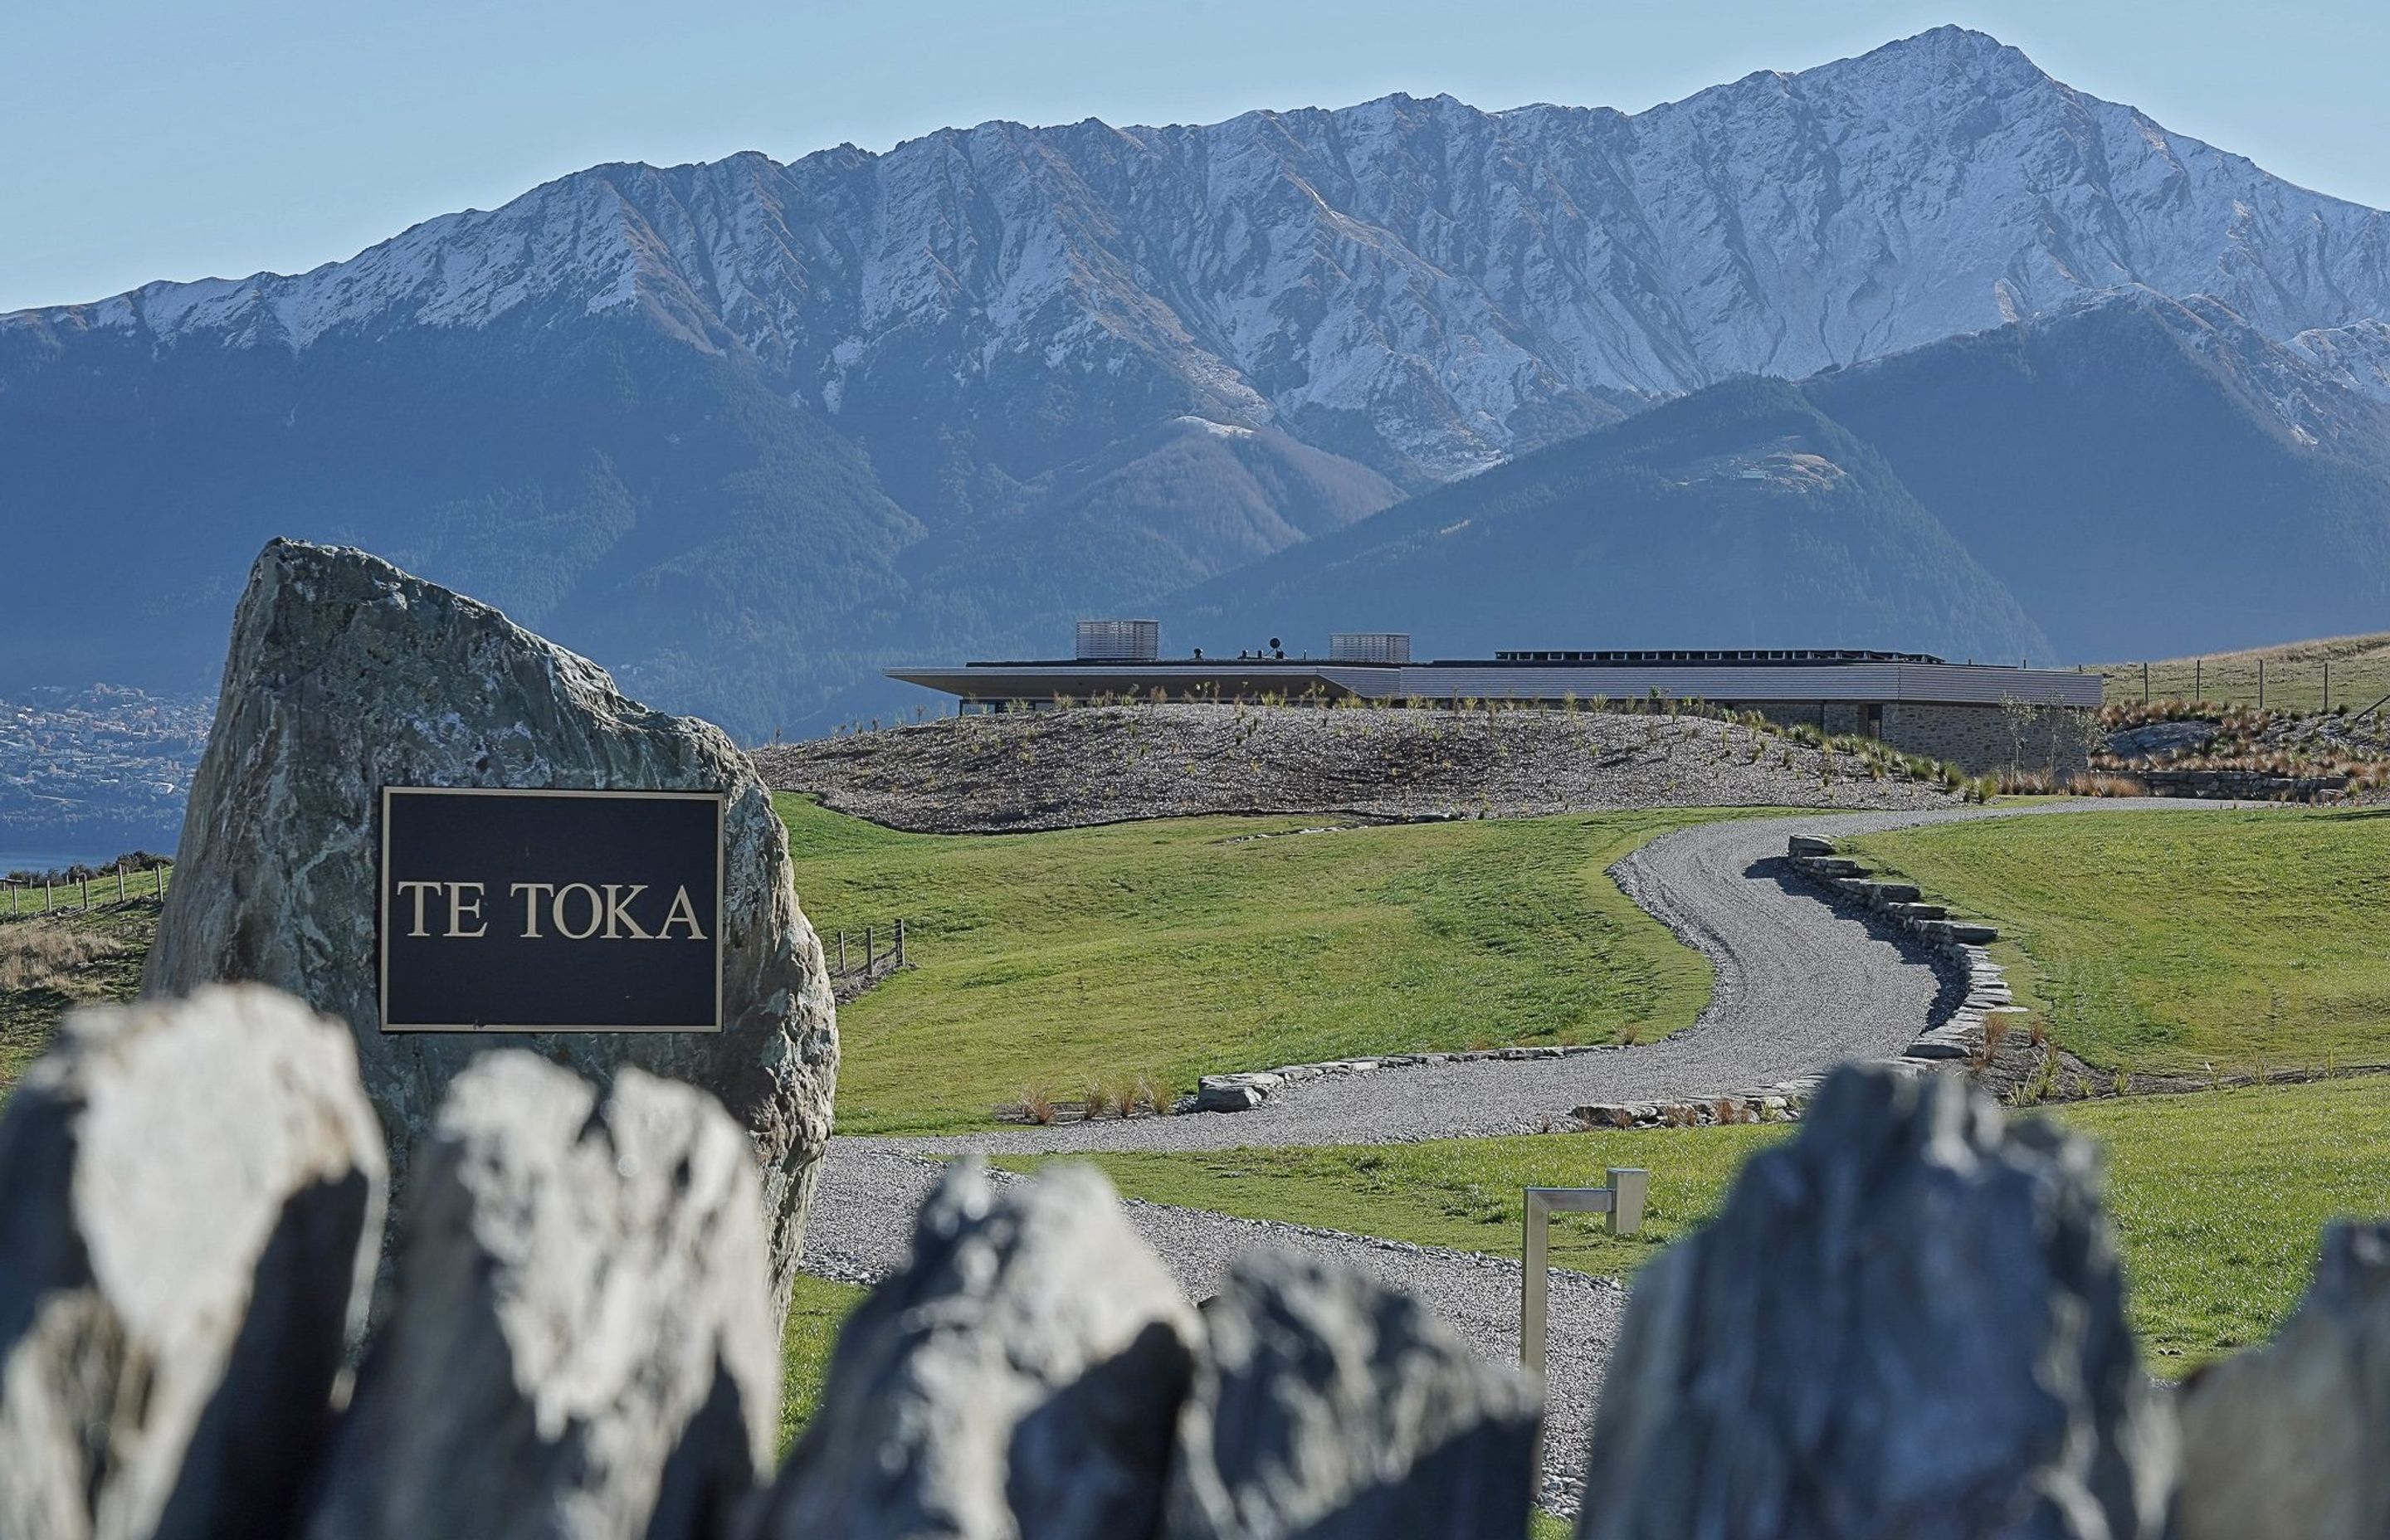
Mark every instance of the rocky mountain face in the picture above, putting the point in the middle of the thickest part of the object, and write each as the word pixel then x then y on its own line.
pixel 747 431
pixel 2130 477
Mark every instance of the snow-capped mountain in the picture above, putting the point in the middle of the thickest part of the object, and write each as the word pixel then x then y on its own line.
pixel 1419 284
pixel 748 431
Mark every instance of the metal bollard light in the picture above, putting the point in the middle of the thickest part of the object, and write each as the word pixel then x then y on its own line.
pixel 1622 1201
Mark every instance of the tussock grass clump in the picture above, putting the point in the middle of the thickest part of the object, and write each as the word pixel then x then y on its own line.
pixel 46 955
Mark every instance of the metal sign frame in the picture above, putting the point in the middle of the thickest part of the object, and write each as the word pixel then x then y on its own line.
pixel 1622 1200
pixel 721 801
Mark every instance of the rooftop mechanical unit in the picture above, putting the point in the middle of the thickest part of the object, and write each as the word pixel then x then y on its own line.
pixel 1119 641
pixel 1370 646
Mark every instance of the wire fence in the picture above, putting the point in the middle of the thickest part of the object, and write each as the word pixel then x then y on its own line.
pixel 31 895
pixel 2352 682
pixel 877 953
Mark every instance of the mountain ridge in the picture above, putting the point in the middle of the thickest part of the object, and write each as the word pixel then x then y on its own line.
pixel 745 430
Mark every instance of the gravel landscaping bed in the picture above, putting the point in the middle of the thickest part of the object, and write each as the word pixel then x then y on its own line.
pixel 1065 769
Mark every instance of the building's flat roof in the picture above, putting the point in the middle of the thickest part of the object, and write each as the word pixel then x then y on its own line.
pixel 1729 677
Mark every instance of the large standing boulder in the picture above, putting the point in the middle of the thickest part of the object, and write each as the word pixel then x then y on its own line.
pixel 1333 1407
pixel 1907 1322
pixel 190 1199
pixel 347 675
pixel 583 1342
pixel 1021 1378
pixel 2293 1440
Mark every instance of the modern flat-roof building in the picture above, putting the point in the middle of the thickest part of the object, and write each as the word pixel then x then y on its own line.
pixel 1978 716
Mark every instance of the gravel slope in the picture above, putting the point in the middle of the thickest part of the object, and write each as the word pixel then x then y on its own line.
pixel 1043 770
pixel 861 1230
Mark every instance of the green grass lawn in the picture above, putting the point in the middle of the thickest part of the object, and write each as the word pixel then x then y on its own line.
pixel 817 1307
pixel 1172 949
pixel 2179 941
pixel 2218 1198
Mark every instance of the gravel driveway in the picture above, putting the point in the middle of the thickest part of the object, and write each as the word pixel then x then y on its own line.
pixel 1800 987
pixel 861 1230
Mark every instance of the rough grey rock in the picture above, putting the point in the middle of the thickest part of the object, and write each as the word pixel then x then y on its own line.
pixel 1020 1377
pixel 2293 1440
pixel 190 1197
pixel 1330 1406
pixel 1908 1321
pixel 583 1343
pixel 346 675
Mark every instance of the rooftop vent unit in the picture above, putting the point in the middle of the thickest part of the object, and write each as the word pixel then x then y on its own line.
pixel 1370 646
pixel 1119 641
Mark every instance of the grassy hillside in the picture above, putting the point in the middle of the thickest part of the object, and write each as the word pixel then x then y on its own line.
pixel 2238 940
pixel 2218 1198
pixel 1169 950
pixel 51 963
pixel 2295 675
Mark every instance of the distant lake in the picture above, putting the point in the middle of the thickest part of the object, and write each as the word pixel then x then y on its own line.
pixel 49 860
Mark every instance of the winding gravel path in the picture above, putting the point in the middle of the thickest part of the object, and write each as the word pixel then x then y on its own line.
pixel 1800 986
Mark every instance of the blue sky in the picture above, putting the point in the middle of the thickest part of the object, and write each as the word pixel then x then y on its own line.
pixel 146 140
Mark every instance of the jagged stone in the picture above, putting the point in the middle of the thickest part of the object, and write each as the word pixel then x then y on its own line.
pixel 1329 1406
pixel 1022 1376
pixel 346 675
pixel 2292 1441
pixel 190 1197
pixel 1808 844
pixel 1907 1321
pixel 584 1342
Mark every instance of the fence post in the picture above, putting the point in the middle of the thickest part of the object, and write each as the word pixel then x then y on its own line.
pixel 900 941
pixel 841 951
pixel 2327 684
pixel 120 883
pixel 2145 683
pixel 46 895
pixel 2198 690
pixel 2261 683
pixel 866 951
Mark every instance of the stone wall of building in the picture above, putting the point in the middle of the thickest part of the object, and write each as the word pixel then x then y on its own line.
pixel 1981 739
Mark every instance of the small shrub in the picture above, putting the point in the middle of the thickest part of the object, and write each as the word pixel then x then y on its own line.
pixel 1036 1106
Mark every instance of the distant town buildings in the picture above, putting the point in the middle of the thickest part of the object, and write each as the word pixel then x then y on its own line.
pixel 107 766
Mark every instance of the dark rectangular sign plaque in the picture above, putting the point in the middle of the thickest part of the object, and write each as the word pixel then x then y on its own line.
pixel 550 911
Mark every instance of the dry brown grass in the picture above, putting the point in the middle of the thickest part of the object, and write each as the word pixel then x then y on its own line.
pixel 43 953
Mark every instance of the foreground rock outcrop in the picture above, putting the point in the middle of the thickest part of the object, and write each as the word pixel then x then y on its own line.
pixel 345 676
pixel 1022 1376
pixel 1908 1321
pixel 2294 1439
pixel 1333 1408
pixel 190 1200
pixel 581 1342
